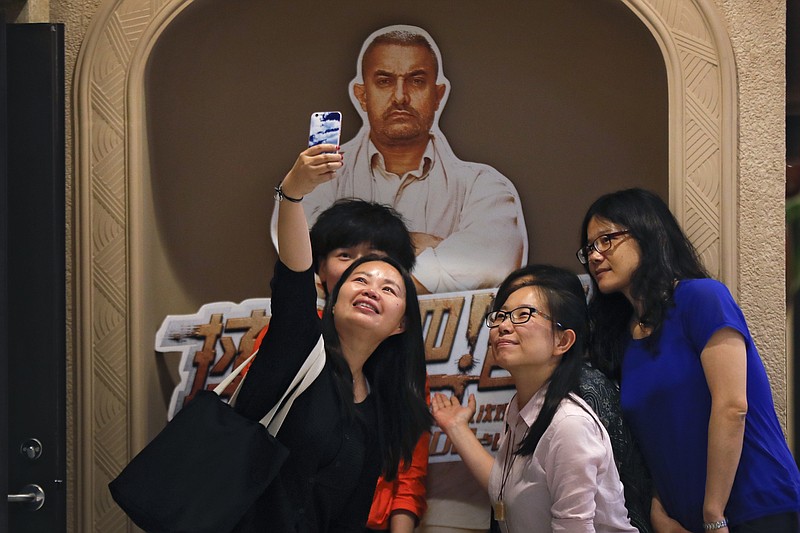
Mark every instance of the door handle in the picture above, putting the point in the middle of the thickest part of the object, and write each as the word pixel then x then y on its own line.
pixel 32 496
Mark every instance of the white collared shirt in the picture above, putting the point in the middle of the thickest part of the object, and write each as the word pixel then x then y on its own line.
pixel 569 484
pixel 390 188
pixel 473 208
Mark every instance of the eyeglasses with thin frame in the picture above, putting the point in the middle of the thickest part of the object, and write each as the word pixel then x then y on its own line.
pixel 601 245
pixel 519 315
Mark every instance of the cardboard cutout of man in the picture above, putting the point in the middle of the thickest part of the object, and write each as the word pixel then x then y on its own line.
pixel 465 218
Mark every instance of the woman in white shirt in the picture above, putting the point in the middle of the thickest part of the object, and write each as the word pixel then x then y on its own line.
pixel 555 468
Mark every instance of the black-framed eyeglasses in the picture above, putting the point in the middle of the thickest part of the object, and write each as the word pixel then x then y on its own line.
pixel 520 315
pixel 600 245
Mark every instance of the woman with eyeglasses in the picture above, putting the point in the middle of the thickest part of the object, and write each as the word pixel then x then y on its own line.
pixel 693 388
pixel 554 470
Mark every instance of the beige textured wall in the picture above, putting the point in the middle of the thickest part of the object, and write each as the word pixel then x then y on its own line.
pixel 76 15
pixel 757 32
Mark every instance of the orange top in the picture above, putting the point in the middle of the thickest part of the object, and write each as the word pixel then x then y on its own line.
pixel 407 491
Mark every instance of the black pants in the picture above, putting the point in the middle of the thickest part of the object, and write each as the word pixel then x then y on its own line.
pixel 777 523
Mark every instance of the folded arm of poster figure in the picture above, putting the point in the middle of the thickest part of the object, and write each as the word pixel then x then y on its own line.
pixel 488 241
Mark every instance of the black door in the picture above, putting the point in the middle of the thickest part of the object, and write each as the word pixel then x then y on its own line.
pixel 32 330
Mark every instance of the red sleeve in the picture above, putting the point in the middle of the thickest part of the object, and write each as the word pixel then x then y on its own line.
pixel 256 346
pixel 408 491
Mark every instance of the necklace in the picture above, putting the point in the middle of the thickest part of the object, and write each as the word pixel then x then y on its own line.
pixel 359 389
pixel 638 322
pixel 508 464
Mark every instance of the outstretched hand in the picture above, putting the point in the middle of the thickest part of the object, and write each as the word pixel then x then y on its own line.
pixel 454 420
pixel 314 166
pixel 449 413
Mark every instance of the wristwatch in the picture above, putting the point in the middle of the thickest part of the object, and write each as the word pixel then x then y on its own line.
pixel 713 526
pixel 280 196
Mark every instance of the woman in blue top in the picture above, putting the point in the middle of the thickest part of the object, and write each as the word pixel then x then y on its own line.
pixel 693 387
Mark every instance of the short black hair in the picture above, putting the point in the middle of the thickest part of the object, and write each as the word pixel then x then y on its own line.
pixel 401 38
pixel 351 221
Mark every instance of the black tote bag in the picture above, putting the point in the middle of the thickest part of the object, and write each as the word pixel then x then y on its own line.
pixel 201 473
pixel 208 466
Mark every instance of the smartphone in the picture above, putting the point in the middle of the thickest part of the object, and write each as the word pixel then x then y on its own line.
pixel 326 128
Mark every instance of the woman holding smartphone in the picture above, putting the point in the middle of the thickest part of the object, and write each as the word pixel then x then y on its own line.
pixel 366 411
pixel 693 388
pixel 555 468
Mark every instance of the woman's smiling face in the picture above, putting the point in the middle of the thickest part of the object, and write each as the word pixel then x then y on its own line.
pixel 373 296
pixel 528 344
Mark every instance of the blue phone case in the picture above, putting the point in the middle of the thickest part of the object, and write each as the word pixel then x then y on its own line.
pixel 326 127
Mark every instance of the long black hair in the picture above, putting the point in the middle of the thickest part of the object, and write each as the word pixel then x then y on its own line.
pixel 667 256
pixel 395 372
pixel 564 296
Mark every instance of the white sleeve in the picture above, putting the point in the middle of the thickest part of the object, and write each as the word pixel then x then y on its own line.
pixel 490 240
pixel 573 463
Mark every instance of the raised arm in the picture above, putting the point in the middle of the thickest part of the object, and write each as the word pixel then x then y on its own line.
pixel 313 166
pixel 454 419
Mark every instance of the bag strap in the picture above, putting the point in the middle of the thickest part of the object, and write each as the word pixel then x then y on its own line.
pixel 311 368
pixel 220 388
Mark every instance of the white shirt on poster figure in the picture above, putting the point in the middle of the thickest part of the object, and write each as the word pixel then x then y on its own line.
pixel 456 210
pixel 465 218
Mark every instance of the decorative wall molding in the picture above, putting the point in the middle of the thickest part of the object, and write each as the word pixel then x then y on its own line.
pixel 111 164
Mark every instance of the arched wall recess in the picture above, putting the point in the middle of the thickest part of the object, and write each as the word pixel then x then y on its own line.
pixel 112 165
